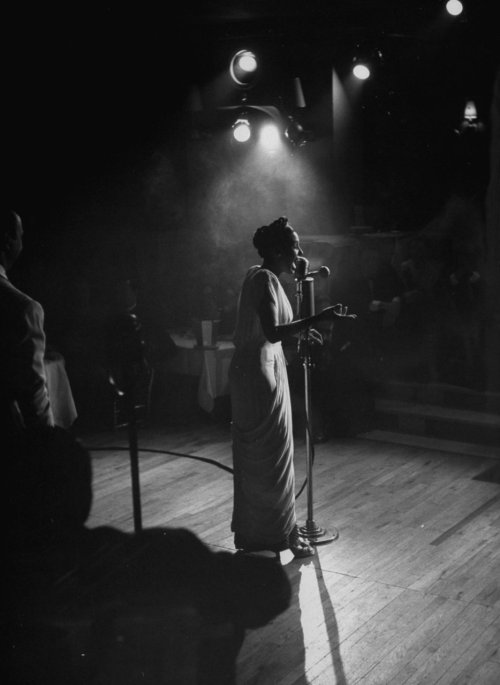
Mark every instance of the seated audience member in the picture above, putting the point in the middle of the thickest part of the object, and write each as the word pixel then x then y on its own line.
pixel 100 605
pixel 351 286
pixel 457 235
pixel 424 304
pixel 24 399
pixel 466 289
pixel 386 291
pixel 341 368
pixel 228 312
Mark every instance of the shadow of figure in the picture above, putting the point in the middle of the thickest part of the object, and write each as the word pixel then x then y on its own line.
pixel 97 605
pixel 276 652
pixel 331 624
pixel 318 626
pixel 302 645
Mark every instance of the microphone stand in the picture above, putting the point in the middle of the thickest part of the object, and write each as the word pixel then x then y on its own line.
pixel 134 462
pixel 127 357
pixel 126 398
pixel 305 307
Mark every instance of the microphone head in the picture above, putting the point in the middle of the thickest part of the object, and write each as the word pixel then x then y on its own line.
pixel 301 267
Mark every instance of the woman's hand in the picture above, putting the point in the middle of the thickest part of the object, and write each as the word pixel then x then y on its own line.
pixel 336 311
pixel 314 337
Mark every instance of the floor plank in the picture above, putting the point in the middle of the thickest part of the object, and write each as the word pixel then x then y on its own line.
pixel 408 593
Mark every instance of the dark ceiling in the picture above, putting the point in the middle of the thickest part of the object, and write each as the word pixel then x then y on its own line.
pixel 95 86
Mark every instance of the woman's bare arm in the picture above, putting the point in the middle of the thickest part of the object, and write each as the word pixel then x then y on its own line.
pixel 277 332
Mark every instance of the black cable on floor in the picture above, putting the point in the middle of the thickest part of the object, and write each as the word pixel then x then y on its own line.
pixel 175 454
pixel 191 456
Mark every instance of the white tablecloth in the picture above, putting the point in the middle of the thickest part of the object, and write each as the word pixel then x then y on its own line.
pixel 211 364
pixel 60 395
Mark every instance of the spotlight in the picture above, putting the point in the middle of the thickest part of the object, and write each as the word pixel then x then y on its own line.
pixel 361 71
pixel 470 111
pixel 454 7
pixel 365 60
pixel 470 121
pixel 270 136
pixel 243 68
pixel 241 130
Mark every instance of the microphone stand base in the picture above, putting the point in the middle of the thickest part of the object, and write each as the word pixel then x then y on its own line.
pixel 317 535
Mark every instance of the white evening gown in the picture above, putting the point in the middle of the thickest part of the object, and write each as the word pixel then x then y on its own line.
pixel 264 481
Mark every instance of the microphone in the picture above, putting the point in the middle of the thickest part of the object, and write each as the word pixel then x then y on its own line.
pixel 301 270
pixel 323 271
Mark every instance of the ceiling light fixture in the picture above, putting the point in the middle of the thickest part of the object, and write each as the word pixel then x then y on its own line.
pixel 454 7
pixel 244 68
pixel 241 130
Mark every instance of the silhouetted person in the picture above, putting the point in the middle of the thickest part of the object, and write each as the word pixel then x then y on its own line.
pixel 386 294
pixel 465 287
pixel 24 399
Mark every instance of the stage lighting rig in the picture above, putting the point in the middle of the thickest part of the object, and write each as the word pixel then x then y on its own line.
pixel 295 132
pixel 272 122
pixel 249 117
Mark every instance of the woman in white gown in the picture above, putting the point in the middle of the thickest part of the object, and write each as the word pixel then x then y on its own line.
pixel 264 482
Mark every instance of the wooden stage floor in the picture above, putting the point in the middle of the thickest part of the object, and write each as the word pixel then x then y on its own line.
pixel 408 593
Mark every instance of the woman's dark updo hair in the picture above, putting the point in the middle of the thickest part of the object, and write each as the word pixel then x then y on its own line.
pixel 269 239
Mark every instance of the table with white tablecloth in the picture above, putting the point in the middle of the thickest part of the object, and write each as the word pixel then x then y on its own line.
pixel 59 389
pixel 210 363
